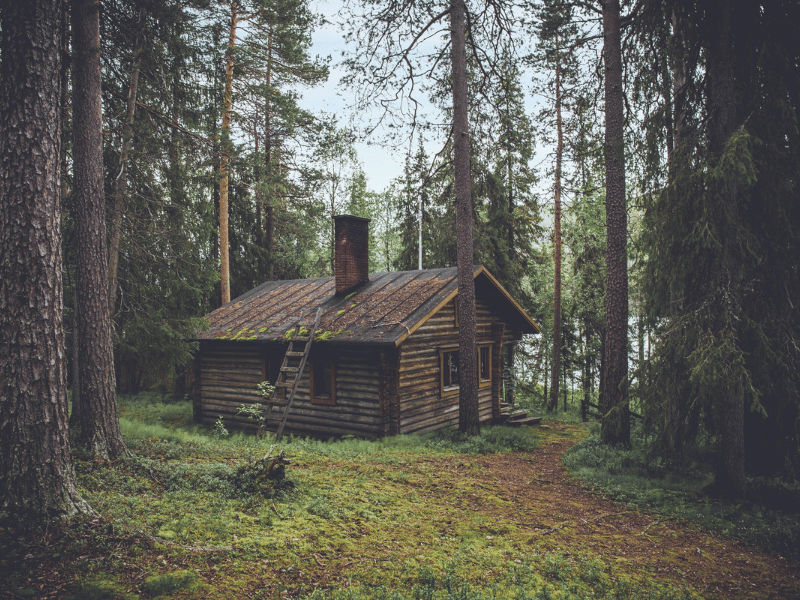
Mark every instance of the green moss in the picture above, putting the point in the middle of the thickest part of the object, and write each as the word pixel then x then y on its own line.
pixel 99 586
pixel 169 583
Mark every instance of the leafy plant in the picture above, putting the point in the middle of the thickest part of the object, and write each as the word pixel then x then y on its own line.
pixel 219 428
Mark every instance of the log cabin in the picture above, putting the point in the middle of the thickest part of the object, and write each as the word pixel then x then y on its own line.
pixel 384 358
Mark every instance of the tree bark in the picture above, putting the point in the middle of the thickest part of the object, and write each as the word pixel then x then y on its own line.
pixel 553 403
pixel 96 426
pixel 37 479
pixel 270 221
pixel 469 417
pixel 729 408
pixel 510 396
pixel 615 427
pixel 224 165
pixel 122 177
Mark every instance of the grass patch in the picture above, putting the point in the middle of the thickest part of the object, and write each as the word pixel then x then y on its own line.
pixel 531 577
pixel 637 479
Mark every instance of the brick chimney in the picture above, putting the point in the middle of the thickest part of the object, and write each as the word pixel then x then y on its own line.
pixel 352 252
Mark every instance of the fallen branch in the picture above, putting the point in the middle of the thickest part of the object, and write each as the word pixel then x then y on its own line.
pixel 156 540
pixel 646 529
pixel 317 560
pixel 553 529
pixel 598 519
pixel 280 516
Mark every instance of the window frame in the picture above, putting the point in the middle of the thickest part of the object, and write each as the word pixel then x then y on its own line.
pixel 314 397
pixel 482 383
pixel 450 390
pixel 268 361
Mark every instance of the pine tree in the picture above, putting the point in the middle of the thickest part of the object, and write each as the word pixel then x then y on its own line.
pixel 37 480
pixel 94 424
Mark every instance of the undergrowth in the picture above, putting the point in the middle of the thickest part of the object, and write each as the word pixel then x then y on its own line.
pixel 405 517
pixel 534 577
pixel 769 518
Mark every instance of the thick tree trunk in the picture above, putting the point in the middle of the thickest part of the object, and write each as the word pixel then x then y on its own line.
pixel 552 405
pixel 122 177
pixel 722 95
pixel 675 97
pixel 224 164
pixel 37 480
pixel 616 417
pixel 469 418
pixel 96 426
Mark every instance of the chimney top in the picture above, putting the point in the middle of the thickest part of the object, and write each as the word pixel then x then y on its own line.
pixel 351 252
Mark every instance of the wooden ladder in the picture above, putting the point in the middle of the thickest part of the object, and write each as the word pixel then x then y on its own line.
pixel 296 372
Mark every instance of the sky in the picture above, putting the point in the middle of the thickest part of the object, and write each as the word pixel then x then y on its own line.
pixel 380 165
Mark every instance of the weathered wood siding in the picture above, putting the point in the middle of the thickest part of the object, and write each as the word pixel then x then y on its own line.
pixel 421 405
pixel 230 374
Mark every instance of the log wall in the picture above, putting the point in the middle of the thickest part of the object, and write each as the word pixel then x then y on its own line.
pixel 421 405
pixel 229 374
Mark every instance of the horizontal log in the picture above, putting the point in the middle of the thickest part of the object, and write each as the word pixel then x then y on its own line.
pixel 331 417
pixel 224 361
pixel 226 393
pixel 418 422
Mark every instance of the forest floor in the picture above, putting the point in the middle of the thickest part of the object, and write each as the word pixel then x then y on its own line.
pixel 362 521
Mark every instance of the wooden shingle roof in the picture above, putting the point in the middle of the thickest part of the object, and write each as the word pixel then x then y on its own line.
pixel 383 311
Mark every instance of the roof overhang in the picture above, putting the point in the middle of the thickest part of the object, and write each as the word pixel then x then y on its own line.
pixel 526 324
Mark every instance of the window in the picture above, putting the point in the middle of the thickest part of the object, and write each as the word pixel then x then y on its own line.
pixel 270 368
pixel 448 361
pixel 323 381
pixel 448 368
pixel 484 365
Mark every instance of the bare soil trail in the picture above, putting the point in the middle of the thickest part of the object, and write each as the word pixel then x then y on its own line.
pixel 563 515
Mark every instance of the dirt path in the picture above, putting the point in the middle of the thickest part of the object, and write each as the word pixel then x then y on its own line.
pixel 577 519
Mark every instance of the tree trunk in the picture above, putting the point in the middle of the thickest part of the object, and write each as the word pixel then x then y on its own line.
pixel 553 404
pixel 469 417
pixel 224 165
pixel 122 178
pixel 616 417
pixel 96 426
pixel 37 480
pixel 510 381
pixel 587 376
pixel 729 407
pixel 270 223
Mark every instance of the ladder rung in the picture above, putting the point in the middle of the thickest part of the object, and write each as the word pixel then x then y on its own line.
pixel 290 369
pixel 295 353
pixel 284 384
pixel 300 338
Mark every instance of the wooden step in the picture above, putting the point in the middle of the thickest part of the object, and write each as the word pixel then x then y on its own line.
pixel 516 414
pixel 526 421
pixel 297 354
pixel 290 369
pixel 300 338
